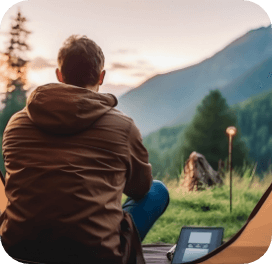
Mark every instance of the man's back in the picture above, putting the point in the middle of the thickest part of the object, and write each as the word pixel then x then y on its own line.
pixel 69 156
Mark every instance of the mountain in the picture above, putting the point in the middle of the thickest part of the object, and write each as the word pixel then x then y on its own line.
pixel 171 98
pixel 253 82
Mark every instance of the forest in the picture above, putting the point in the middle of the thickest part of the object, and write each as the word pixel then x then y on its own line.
pixel 168 147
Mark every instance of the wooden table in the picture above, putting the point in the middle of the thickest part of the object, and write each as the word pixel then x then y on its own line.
pixel 156 253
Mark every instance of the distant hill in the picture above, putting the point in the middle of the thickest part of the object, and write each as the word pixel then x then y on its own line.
pixel 164 139
pixel 171 98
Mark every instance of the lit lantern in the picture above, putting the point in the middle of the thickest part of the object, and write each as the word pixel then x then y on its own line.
pixel 231 131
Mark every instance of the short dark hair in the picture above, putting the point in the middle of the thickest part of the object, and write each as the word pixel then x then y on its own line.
pixel 80 61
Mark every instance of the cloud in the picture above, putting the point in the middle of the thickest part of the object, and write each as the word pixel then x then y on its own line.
pixel 138 65
pixel 146 65
pixel 40 63
pixel 139 74
pixel 120 66
pixel 143 62
pixel 125 51
pixel 117 90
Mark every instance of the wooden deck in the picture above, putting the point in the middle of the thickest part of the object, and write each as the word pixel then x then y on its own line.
pixel 156 253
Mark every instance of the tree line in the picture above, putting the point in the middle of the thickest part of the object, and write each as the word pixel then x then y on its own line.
pixel 206 134
pixel 254 117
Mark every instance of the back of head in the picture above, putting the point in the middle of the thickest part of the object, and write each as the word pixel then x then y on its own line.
pixel 80 61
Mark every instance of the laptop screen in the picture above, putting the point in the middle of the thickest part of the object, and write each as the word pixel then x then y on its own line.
pixel 196 242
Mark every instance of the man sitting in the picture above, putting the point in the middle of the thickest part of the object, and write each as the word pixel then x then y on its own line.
pixel 69 156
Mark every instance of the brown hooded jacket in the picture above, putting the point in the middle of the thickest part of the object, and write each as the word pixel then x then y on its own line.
pixel 69 156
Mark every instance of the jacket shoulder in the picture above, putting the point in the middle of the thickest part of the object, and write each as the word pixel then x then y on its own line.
pixel 122 116
pixel 118 119
pixel 16 119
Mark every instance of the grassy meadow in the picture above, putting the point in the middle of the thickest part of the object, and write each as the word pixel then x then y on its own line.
pixel 210 207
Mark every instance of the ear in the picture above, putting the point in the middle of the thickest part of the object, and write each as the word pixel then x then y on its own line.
pixel 101 77
pixel 59 75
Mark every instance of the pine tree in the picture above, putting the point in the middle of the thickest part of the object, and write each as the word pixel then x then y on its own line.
pixel 206 134
pixel 16 51
pixel 15 65
pixel 16 68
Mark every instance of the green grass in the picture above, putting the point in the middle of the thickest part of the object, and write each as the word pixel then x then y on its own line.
pixel 207 208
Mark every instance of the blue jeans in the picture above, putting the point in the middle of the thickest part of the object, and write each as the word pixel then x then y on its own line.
pixel 146 211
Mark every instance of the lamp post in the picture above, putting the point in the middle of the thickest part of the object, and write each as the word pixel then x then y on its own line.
pixel 231 131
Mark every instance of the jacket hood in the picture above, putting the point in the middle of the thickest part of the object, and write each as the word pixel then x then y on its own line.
pixel 66 109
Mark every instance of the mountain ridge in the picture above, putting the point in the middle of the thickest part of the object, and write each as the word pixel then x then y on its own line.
pixel 161 99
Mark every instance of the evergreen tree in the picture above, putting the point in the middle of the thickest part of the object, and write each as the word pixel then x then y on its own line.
pixel 16 69
pixel 16 52
pixel 15 73
pixel 206 134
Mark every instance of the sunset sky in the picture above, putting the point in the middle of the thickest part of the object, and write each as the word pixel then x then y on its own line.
pixel 139 38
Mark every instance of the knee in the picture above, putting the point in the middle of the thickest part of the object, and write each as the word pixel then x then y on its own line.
pixel 161 191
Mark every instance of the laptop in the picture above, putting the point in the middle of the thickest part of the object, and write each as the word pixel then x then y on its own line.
pixel 196 242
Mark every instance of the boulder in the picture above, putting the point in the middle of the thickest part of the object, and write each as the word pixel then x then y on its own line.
pixel 199 174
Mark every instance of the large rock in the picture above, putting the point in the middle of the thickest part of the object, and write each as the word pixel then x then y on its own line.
pixel 199 173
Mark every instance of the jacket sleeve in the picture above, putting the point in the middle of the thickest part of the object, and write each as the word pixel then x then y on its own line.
pixel 139 176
